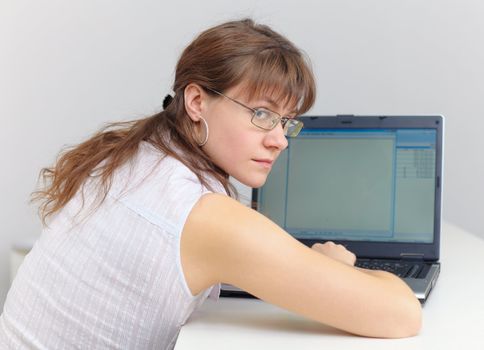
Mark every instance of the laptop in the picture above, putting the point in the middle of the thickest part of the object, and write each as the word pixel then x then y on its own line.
pixel 371 183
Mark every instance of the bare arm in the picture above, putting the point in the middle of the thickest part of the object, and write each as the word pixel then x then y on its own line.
pixel 242 247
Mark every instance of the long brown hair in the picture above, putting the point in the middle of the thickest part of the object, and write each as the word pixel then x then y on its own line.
pixel 218 59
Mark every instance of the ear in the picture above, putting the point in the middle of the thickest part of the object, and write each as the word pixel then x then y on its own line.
pixel 194 95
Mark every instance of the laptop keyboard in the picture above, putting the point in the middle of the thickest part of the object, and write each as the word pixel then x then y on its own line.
pixel 400 268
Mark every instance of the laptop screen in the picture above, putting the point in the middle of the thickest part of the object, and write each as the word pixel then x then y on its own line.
pixel 355 184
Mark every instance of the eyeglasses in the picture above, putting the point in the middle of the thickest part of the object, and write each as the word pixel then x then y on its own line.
pixel 268 120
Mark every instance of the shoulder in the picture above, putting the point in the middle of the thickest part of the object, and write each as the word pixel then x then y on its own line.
pixel 162 168
pixel 159 187
pixel 151 171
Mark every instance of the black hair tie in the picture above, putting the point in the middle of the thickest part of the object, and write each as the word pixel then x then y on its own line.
pixel 167 100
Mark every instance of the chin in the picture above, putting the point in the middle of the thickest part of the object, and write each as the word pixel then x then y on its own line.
pixel 257 185
pixel 254 182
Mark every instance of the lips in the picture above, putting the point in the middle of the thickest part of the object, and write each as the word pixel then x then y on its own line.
pixel 264 162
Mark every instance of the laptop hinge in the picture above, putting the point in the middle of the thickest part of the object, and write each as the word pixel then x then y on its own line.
pixel 412 256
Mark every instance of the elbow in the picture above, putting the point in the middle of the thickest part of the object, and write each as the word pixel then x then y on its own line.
pixel 409 320
pixel 414 323
pixel 405 319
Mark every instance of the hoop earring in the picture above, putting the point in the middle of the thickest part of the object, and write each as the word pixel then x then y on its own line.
pixel 200 144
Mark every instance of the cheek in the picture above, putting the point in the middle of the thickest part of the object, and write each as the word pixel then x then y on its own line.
pixel 231 145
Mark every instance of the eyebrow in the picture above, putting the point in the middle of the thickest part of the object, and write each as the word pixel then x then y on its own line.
pixel 274 105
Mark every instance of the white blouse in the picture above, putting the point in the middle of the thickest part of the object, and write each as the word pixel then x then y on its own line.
pixel 110 276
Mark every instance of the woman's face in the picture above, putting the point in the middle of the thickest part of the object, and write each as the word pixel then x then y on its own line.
pixel 240 148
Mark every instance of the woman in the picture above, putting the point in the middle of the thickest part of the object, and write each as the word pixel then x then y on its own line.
pixel 140 223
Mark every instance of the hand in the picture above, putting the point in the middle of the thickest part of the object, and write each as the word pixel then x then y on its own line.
pixel 335 251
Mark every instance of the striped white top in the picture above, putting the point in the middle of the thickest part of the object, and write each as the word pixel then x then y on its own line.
pixel 110 278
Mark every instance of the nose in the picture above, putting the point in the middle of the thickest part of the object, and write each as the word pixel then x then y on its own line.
pixel 275 138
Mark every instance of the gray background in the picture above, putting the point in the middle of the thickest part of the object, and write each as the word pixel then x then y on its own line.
pixel 68 67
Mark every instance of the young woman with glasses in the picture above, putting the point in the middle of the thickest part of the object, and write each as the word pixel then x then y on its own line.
pixel 141 225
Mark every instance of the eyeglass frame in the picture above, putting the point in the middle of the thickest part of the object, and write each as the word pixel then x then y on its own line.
pixel 280 119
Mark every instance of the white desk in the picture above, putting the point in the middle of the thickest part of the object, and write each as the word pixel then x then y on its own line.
pixel 453 314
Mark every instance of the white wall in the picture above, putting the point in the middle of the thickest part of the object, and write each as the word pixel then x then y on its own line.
pixel 68 67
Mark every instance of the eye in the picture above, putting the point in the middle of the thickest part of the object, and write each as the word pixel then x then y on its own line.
pixel 262 114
